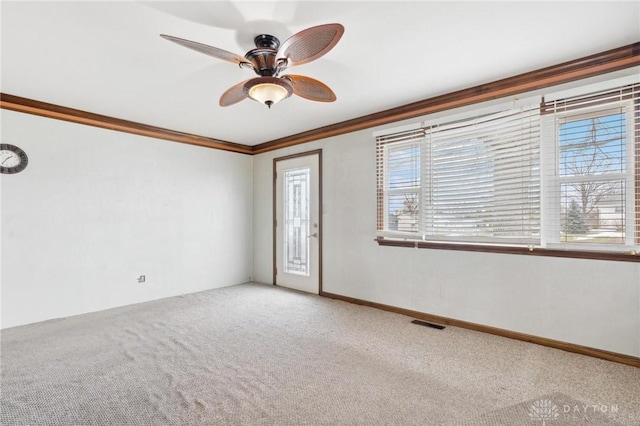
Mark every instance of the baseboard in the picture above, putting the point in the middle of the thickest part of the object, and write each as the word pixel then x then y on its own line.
pixel 569 347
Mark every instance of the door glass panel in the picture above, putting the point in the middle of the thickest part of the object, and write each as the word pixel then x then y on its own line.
pixel 296 216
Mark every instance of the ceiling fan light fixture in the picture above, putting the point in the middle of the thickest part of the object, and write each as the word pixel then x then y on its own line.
pixel 268 90
pixel 268 93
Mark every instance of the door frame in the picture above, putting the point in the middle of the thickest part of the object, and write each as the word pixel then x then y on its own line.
pixel 317 152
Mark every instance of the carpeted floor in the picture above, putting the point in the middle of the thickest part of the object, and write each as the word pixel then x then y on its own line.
pixel 254 354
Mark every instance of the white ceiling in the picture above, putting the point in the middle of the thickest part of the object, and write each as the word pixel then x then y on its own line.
pixel 107 57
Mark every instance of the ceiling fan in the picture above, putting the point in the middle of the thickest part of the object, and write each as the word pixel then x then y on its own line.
pixel 269 59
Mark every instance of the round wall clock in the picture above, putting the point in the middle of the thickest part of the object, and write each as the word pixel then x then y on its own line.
pixel 12 159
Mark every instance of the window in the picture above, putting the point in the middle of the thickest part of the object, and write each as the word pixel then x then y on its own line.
pixel 399 182
pixel 590 188
pixel 474 180
pixel 296 221
pixel 555 174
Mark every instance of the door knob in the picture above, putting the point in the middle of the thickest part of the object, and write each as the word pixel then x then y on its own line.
pixel 314 235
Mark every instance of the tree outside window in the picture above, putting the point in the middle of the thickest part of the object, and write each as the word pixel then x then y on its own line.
pixel 592 159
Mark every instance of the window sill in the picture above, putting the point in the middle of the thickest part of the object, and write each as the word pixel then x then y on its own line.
pixel 536 251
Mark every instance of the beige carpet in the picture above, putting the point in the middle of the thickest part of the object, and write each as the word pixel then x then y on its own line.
pixel 261 355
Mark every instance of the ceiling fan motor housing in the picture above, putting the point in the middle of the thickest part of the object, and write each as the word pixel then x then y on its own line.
pixel 263 57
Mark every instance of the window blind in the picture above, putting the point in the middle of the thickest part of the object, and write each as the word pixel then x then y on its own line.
pixel 482 179
pixel 474 180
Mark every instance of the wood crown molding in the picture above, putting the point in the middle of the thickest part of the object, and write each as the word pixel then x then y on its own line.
pixel 30 106
pixel 569 347
pixel 589 66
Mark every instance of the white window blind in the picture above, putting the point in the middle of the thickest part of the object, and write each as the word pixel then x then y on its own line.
pixel 475 180
pixel 590 167
pixel 482 179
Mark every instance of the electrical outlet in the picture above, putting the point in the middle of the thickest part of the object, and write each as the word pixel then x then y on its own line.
pixel 142 278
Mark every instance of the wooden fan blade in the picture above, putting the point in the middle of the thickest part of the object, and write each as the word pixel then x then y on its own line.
pixel 310 88
pixel 310 44
pixel 207 50
pixel 234 94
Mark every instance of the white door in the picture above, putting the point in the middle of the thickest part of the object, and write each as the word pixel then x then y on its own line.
pixel 298 222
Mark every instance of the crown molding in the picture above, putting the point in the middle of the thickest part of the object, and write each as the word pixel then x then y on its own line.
pixel 588 66
pixel 30 106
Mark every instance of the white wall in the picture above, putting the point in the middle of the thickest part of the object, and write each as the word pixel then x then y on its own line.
pixel 97 208
pixel 587 302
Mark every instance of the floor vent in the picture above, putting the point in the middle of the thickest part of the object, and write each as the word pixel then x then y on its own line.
pixel 428 324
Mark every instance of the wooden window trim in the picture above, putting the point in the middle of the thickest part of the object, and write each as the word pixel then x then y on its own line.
pixel 529 251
